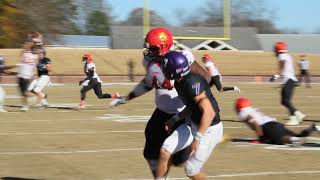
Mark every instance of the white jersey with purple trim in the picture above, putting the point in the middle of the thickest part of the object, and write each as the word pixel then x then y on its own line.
pixel 209 65
pixel 288 69
pixel 254 115
pixel 27 65
pixel 92 66
pixel 166 100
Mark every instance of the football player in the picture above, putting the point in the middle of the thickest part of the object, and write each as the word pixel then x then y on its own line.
pixel 289 82
pixel 158 42
pixel 202 130
pixel 44 66
pixel 215 75
pixel 268 129
pixel 92 81
pixel 3 70
pixel 25 73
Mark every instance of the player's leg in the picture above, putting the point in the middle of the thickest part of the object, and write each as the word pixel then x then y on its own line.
pixel 194 164
pixel 85 88
pixel 23 86
pixel 181 138
pixel 286 100
pixel 308 79
pixel 276 133
pixel 2 96
pixel 98 91
pixel 42 82
pixel 155 135
pixel 300 77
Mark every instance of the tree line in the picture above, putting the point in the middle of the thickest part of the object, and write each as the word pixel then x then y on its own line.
pixel 94 17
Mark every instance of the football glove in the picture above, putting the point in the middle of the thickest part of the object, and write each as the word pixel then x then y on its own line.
pixel 119 101
pixel 274 77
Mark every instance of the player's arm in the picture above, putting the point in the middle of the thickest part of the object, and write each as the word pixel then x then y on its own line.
pixel 208 113
pixel 254 125
pixel 138 90
pixel 49 66
pixel 169 125
pixel 281 65
pixel 6 68
pixel 196 68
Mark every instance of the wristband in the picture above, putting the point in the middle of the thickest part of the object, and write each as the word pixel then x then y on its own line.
pixel 199 136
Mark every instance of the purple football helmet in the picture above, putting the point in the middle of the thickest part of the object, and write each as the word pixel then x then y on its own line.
pixel 175 65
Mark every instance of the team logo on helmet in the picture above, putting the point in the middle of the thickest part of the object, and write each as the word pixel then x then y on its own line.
pixel 163 37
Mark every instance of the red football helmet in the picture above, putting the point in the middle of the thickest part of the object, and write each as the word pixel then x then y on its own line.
pixel 87 58
pixel 242 103
pixel 206 57
pixel 280 47
pixel 158 41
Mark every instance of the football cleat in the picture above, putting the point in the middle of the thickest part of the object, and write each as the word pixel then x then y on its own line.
pixel 293 121
pixel 82 105
pixel 300 116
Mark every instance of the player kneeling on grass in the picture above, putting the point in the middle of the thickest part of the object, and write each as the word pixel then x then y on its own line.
pixel 215 75
pixel 92 81
pixel 267 128
pixel 203 129
pixel 44 66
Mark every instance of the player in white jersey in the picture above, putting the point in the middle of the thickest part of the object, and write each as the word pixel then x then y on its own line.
pixel 92 81
pixel 3 70
pixel 289 82
pixel 268 129
pixel 215 75
pixel 158 42
pixel 304 66
pixel 26 71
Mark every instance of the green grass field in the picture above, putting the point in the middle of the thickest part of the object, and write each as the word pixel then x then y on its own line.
pixel 102 143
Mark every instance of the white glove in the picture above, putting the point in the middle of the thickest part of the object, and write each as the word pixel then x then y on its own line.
pixel 119 101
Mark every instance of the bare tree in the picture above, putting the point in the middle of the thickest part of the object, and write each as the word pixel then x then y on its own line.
pixel 136 18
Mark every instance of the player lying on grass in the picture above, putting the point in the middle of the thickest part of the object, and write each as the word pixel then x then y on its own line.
pixel 215 75
pixel 202 130
pixel 92 81
pixel 267 128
